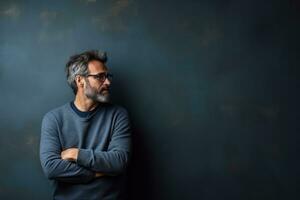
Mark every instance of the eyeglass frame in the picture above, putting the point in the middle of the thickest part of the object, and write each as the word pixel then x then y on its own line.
pixel 107 75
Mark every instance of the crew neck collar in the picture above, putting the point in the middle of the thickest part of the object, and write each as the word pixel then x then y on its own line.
pixel 83 114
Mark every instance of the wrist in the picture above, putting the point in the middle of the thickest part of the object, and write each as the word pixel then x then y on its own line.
pixel 75 154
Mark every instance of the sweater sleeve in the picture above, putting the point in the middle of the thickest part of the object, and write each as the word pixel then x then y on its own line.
pixel 50 149
pixel 114 161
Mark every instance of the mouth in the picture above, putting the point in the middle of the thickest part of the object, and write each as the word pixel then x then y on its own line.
pixel 105 91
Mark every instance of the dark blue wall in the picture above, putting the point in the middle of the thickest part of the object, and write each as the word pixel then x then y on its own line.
pixel 211 87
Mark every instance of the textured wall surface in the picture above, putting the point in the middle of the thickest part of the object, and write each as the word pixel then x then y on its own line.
pixel 212 88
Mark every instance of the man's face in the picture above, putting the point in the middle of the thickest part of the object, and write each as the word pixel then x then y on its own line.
pixel 96 89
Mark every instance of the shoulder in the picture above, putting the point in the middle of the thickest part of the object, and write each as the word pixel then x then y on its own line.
pixel 119 116
pixel 116 109
pixel 57 112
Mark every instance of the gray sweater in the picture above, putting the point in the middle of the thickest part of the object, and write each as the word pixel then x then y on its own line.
pixel 103 138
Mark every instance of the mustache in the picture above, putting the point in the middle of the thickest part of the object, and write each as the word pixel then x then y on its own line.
pixel 105 89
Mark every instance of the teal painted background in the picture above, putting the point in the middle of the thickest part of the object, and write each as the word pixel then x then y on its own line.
pixel 211 88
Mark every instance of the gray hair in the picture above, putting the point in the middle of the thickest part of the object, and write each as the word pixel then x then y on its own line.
pixel 78 65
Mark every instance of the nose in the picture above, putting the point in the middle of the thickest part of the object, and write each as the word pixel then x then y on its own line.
pixel 106 82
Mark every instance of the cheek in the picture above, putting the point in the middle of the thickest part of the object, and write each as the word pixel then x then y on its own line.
pixel 100 86
pixel 94 85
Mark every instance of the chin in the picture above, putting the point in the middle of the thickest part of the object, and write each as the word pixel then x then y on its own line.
pixel 103 99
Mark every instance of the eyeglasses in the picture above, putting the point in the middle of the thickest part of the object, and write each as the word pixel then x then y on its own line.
pixel 101 76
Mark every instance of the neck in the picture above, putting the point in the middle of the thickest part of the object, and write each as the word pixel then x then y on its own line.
pixel 84 104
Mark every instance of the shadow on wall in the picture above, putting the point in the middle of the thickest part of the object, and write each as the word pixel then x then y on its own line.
pixel 139 171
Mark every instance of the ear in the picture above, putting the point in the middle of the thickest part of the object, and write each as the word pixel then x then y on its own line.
pixel 79 81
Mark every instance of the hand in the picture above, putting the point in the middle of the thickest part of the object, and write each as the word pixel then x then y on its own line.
pixel 98 174
pixel 70 154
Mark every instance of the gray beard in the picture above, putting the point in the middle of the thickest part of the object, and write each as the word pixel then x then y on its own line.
pixel 102 98
pixel 94 95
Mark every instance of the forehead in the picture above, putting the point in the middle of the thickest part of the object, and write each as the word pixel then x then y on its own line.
pixel 96 66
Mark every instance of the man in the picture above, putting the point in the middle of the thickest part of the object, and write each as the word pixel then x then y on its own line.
pixel 85 144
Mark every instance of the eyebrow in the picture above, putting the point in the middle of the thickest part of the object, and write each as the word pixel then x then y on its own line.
pixel 99 73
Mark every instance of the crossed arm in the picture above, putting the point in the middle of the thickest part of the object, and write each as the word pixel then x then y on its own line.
pixel 83 165
pixel 71 155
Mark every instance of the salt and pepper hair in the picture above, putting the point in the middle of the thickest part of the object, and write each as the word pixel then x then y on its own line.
pixel 78 65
